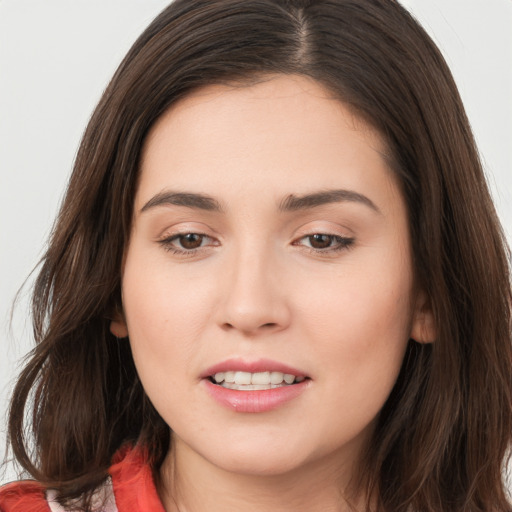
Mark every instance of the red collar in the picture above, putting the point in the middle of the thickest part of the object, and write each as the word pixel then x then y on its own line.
pixel 132 479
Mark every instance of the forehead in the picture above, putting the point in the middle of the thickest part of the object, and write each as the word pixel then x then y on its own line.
pixel 285 131
pixel 306 98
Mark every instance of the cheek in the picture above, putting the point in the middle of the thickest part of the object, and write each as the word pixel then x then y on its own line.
pixel 360 323
pixel 165 314
pixel 359 300
pixel 361 341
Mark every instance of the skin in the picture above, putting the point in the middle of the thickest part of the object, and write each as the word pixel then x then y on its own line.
pixel 256 288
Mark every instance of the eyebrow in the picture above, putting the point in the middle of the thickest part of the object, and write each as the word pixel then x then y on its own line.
pixel 293 203
pixel 187 199
pixel 290 203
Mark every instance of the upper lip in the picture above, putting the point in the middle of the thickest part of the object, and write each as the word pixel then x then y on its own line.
pixel 254 366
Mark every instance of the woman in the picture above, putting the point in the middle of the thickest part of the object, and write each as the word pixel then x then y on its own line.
pixel 276 281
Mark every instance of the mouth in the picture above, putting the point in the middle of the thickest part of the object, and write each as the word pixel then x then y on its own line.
pixel 256 386
pixel 259 381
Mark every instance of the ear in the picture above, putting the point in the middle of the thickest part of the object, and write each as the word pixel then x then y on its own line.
pixel 423 329
pixel 118 325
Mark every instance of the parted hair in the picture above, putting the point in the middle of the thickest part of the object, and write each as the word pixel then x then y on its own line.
pixel 441 440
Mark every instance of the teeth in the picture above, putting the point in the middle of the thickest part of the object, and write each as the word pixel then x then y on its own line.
pixel 259 380
pixel 242 378
pixel 276 377
pixel 229 376
pixel 289 378
pixel 250 387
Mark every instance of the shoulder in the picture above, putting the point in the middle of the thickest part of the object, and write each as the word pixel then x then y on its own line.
pixel 133 481
pixel 129 487
pixel 31 496
pixel 23 496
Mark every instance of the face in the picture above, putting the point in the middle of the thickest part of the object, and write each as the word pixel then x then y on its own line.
pixel 270 246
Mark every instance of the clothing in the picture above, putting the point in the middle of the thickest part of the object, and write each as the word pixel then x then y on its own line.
pixel 129 488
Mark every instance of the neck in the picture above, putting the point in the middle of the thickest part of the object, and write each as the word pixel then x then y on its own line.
pixel 190 483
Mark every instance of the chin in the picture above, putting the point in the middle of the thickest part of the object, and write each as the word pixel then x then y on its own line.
pixel 261 463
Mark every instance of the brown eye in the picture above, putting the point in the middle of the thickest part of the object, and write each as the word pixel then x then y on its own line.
pixel 320 241
pixel 186 244
pixel 191 240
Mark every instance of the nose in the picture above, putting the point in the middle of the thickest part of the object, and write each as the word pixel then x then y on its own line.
pixel 254 297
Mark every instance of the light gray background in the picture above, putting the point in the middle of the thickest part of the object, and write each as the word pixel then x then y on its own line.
pixel 56 57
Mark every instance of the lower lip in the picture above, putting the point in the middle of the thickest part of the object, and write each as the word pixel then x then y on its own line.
pixel 255 401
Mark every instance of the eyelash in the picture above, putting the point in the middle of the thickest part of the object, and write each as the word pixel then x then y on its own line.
pixel 167 244
pixel 342 243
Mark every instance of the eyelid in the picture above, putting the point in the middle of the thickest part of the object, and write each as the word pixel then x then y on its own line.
pixel 343 236
pixel 323 228
pixel 168 236
pixel 340 240
pixel 183 227
pixel 167 244
pixel 342 244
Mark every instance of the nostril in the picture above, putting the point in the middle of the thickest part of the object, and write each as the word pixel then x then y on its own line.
pixel 226 326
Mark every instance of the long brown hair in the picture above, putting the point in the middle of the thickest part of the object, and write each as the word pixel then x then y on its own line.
pixel 443 434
